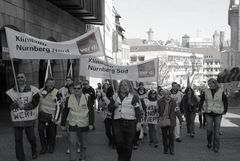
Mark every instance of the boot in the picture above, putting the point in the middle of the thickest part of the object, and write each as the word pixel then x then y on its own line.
pixel 43 149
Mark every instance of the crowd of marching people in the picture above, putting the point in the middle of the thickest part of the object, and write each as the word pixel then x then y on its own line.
pixel 129 115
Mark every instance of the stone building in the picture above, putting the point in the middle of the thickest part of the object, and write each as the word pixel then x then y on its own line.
pixel 52 20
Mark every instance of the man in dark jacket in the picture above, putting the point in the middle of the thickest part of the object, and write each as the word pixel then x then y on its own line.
pixel 87 89
pixel 24 101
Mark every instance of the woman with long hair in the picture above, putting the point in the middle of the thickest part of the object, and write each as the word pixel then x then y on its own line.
pixel 188 106
pixel 126 119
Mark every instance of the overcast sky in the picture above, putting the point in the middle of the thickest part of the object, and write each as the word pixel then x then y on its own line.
pixel 173 18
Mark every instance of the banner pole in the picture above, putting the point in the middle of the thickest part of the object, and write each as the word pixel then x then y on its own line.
pixel 69 74
pixel 14 75
pixel 46 74
pixel 110 76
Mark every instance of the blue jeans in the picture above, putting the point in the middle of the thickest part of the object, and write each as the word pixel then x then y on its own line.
pixel 74 138
pixel 124 132
pixel 168 138
pixel 213 129
pixel 190 118
pixel 152 130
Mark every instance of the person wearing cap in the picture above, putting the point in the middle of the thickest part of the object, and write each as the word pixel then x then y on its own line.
pixel 215 104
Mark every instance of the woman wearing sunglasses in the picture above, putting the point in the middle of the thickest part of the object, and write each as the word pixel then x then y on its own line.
pixel 80 116
pixel 150 106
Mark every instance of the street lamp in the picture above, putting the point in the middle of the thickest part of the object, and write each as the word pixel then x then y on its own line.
pixel 193 61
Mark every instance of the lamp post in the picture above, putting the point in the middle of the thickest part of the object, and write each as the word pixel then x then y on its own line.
pixel 193 61
pixel 186 65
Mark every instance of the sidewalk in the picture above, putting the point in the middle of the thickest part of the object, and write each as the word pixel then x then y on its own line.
pixel 188 150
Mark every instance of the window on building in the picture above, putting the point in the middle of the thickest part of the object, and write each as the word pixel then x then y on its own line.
pixel 133 58
pixel 141 58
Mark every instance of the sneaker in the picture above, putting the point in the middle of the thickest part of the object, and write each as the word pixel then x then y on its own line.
pixel 43 150
pixel 34 156
pixel 178 140
pixel 215 150
pixel 68 151
pixel 209 146
pixel 135 147
pixel 51 149
pixel 78 150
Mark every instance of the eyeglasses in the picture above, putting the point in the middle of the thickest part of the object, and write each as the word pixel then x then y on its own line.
pixel 153 93
pixel 20 77
pixel 77 88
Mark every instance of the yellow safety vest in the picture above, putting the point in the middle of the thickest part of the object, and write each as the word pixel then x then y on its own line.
pixel 125 109
pixel 213 104
pixel 78 113
pixel 49 102
pixel 24 97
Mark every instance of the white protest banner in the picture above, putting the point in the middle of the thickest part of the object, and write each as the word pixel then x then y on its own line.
pixel 95 67
pixel 151 114
pixel 24 115
pixel 24 46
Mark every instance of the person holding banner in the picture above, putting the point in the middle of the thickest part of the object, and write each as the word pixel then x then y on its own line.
pixel 150 106
pixel 49 114
pixel 87 89
pixel 24 101
pixel 80 113
pixel 126 119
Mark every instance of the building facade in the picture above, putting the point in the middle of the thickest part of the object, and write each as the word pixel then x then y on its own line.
pixel 175 63
pixel 234 23
pixel 46 19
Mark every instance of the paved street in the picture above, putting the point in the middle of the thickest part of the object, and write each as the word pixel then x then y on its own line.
pixel 188 150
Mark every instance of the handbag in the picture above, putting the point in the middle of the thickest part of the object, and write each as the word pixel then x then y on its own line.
pixel 164 122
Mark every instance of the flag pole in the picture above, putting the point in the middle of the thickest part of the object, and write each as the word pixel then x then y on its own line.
pixel 157 70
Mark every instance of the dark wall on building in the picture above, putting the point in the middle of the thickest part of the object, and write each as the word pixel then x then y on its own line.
pixel 41 19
